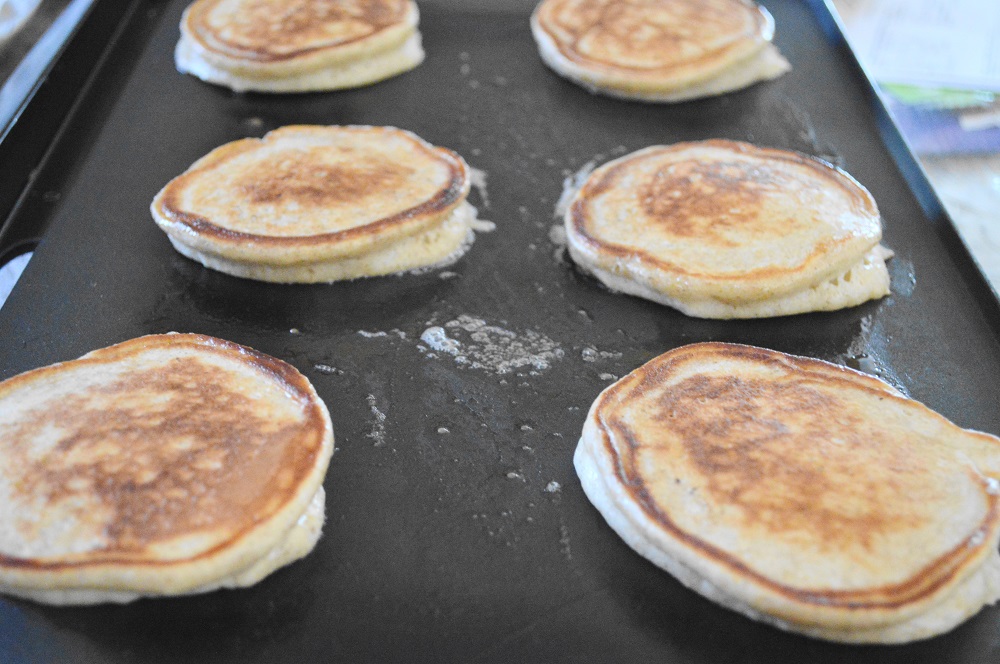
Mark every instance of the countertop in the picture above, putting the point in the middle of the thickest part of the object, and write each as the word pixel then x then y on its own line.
pixel 967 184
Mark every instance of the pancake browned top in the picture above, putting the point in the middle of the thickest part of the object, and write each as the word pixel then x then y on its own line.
pixel 305 193
pixel 723 219
pixel 664 41
pixel 815 484
pixel 269 31
pixel 153 455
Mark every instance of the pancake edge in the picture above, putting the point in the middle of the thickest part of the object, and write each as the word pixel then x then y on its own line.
pixel 292 545
pixel 756 64
pixel 356 73
pixel 179 576
pixel 427 249
pixel 631 269
pixel 959 596
pixel 388 48
pixel 980 588
pixel 867 280
pixel 201 235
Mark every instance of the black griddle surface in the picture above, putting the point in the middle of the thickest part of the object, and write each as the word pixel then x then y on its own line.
pixel 448 546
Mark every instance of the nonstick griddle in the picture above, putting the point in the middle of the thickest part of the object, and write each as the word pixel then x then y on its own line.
pixel 456 529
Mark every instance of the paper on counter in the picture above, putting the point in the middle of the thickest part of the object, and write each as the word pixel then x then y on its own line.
pixel 930 43
pixel 13 14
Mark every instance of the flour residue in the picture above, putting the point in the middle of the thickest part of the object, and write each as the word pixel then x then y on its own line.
pixel 378 334
pixel 482 226
pixel 572 183
pixel 861 341
pixel 477 345
pixel 435 337
pixel 557 235
pixel 589 354
pixel 564 541
pixel 477 178
pixel 378 428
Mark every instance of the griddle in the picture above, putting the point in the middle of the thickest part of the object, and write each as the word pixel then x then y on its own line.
pixel 476 544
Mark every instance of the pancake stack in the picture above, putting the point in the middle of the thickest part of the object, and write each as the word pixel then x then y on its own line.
pixel 166 465
pixel 799 493
pixel 298 45
pixel 658 50
pixel 319 204
pixel 722 229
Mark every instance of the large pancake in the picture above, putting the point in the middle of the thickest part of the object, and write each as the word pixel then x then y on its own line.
pixel 310 203
pixel 658 50
pixel 798 492
pixel 168 464
pixel 723 229
pixel 298 45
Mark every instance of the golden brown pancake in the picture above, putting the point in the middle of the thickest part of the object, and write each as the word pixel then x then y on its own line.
pixel 314 204
pixel 658 50
pixel 797 492
pixel 723 229
pixel 165 465
pixel 298 45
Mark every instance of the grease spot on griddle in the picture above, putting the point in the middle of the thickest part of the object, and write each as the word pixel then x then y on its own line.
pixel 903 276
pixel 867 352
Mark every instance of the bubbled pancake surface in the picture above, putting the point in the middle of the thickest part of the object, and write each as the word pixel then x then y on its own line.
pixel 651 45
pixel 268 31
pixel 305 193
pixel 157 465
pixel 795 489
pixel 722 219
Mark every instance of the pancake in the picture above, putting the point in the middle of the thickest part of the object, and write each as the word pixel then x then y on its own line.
pixel 658 50
pixel 320 204
pixel 166 465
pixel 298 45
pixel 799 493
pixel 723 229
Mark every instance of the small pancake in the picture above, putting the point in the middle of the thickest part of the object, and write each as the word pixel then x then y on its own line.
pixel 797 492
pixel 298 45
pixel 165 465
pixel 320 204
pixel 723 229
pixel 658 50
